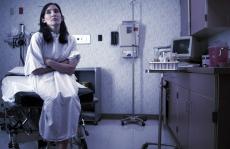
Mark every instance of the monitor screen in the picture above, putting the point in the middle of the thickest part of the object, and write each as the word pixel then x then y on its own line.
pixel 181 46
pixel 187 48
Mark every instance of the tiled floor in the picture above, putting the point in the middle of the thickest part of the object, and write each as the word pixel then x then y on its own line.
pixel 109 134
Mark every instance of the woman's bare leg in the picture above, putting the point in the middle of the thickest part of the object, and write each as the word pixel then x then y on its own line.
pixel 62 144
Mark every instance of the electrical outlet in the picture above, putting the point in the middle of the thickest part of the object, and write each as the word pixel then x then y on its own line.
pixel 82 39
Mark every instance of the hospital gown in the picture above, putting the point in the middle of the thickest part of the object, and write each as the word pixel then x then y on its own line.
pixel 61 107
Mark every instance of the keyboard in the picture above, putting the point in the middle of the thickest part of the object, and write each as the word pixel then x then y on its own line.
pixel 187 65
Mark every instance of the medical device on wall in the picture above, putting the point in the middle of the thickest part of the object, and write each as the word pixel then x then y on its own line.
pixel 129 38
pixel 114 38
pixel 19 40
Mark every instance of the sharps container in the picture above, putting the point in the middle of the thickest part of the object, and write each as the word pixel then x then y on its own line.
pixel 218 54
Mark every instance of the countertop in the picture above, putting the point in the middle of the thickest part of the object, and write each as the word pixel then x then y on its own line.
pixel 208 70
pixel 203 70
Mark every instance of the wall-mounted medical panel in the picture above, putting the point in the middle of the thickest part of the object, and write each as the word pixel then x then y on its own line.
pixel 129 38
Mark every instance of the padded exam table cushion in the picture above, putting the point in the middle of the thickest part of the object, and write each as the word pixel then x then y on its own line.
pixel 30 99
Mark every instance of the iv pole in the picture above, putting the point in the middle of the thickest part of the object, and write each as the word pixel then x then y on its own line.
pixel 163 85
pixel 133 118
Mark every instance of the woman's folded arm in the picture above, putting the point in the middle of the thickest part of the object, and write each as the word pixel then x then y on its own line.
pixel 62 67
pixel 41 71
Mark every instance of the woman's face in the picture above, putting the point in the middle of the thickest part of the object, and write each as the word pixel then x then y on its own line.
pixel 52 17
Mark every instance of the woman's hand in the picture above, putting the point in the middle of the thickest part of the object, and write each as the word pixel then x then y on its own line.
pixel 65 61
pixel 48 61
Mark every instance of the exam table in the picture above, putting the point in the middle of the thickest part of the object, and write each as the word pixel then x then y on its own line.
pixel 21 115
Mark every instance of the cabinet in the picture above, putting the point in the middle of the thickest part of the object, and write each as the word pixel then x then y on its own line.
pixel 209 17
pixel 91 76
pixel 183 115
pixel 178 109
pixel 202 128
pixel 198 107
pixel 202 96
pixel 185 17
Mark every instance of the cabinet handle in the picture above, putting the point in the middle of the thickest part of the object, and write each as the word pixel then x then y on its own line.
pixel 188 106
pixel 206 17
pixel 214 117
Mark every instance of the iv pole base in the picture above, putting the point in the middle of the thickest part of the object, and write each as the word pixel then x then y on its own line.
pixel 134 120
pixel 159 144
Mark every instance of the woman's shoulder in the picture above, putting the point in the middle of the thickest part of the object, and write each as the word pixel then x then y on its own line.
pixel 37 36
pixel 71 39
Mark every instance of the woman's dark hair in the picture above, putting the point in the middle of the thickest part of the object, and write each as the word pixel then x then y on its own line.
pixel 45 30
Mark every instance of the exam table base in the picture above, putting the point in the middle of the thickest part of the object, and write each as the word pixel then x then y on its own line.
pixel 22 118
pixel 145 146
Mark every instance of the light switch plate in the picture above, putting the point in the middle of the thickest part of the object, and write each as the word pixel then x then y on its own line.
pixel 82 39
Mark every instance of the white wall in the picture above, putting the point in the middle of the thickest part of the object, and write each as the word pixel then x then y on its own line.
pixel 221 37
pixel 160 23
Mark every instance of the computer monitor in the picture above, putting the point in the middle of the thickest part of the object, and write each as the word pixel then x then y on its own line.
pixel 186 48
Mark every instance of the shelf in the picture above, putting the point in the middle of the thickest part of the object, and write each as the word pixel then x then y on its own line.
pixel 91 75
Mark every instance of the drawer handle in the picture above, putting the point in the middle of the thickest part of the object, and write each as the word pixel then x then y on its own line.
pixel 214 117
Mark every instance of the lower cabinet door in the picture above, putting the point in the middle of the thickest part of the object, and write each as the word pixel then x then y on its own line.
pixel 201 127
